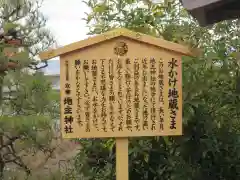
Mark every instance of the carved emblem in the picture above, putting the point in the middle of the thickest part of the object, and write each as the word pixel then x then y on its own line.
pixel 121 48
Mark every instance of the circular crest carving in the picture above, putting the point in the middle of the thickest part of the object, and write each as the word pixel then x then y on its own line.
pixel 121 48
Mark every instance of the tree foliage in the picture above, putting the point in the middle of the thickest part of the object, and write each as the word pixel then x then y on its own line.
pixel 25 18
pixel 28 104
pixel 210 145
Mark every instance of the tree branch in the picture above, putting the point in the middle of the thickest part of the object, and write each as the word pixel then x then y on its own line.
pixel 9 142
pixel 34 65
pixel 18 161
pixel 22 165
pixel 17 9
pixel 8 98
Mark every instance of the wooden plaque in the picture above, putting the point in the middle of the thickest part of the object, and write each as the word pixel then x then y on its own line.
pixel 120 84
pixel 121 88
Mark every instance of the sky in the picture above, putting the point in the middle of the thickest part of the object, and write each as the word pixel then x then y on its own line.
pixel 65 22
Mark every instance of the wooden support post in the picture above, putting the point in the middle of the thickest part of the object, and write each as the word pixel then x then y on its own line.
pixel 122 159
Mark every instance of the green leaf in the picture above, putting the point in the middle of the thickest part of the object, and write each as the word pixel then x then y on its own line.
pixel 166 140
pixel 130 1
pixel 8 26
pixel 158 14
pixel 22 57
pixel 100 8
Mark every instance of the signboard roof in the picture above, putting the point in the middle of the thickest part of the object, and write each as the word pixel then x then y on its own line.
pixel 114 34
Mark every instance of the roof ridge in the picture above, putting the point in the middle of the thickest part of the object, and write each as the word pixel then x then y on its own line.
pixel 161 43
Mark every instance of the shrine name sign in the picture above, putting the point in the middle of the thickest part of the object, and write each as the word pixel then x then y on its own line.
pixel 120 84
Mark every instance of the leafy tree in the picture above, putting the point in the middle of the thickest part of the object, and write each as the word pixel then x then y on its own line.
pixel 210 146
pixel 27 103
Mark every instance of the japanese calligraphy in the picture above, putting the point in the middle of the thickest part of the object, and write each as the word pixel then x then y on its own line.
pixel 111 94
pixel 128 95
pixel 153 80
pixel 145 93
pixel 103 96
pixel 172 92
pixel 161 98
pixel 67 70
pixel 120 95
pixel 78 92
pixel 86 95
pixel 137 94
pixel 94 69
pixel 68 102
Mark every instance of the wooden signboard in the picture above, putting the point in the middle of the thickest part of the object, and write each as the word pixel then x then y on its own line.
pixel 120 84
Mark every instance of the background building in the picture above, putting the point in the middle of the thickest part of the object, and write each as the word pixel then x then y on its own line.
pixel 52 73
